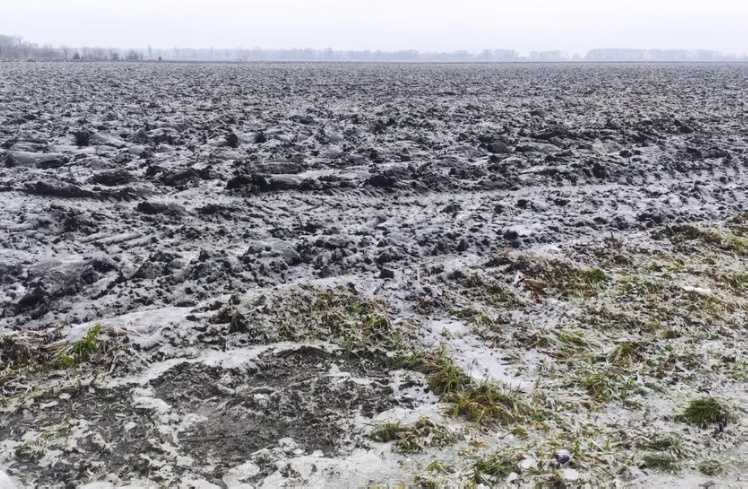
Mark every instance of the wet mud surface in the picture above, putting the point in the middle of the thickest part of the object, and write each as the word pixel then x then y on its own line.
pixel 229 275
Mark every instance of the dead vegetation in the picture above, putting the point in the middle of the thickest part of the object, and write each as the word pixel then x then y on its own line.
pixel 480 402
pixel 31 353
pixel 642 315
pixel 423 434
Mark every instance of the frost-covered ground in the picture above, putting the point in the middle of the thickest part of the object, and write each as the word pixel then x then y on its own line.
pixel 360 275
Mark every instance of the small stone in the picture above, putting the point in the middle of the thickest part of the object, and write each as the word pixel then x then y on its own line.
pixel 698 290
pixel 563 457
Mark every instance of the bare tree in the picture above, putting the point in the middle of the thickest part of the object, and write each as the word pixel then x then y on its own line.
pixel 133 55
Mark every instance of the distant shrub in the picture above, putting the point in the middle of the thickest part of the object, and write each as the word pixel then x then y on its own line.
pixel 133 55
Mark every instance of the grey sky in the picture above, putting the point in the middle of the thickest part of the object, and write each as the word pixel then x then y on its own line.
pixel 571 25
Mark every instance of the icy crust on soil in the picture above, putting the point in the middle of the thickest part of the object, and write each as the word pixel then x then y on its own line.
pixel 261 276
pixel 336 169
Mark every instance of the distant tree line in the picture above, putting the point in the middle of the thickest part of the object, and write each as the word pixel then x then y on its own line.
pixel 659 55
pixel 15 48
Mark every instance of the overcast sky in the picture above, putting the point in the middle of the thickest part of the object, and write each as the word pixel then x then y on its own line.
pixel 570 25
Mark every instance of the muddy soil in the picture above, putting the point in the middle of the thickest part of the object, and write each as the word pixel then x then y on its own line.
pixel 235 276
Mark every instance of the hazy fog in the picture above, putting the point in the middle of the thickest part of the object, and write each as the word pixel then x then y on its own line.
pixel 572 25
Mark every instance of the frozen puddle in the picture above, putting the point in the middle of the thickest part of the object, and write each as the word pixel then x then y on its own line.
pixel 472 354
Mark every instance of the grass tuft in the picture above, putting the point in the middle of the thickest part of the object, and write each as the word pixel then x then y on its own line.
pixel 483 402
pixel 662 462
pixel 737 281
pixel 711 467
pixel 80 351
pixel 726 241
pixel 386 432
pixel 704 412
pixel 413 439
pixel 444 376
pixel 572 281
pixel 495 467
pixel 486 402
pixel 627 353
pixel 604 384
pixel 664 442
pixel 447 378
